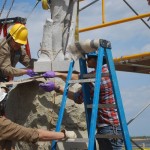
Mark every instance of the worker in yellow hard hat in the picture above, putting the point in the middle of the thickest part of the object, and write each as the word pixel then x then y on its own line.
pixel 19 33
pixel 13 52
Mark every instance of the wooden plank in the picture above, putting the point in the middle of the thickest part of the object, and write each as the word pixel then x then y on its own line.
pixel 22 81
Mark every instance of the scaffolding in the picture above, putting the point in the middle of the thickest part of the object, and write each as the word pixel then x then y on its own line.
pixel 136 63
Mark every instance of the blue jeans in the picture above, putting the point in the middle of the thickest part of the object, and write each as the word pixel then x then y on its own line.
pixel 109 144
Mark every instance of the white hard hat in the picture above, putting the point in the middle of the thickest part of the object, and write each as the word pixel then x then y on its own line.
pixel 2 95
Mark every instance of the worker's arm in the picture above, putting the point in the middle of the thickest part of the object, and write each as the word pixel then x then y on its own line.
pixel 62 75
pixel 45 135
pixel 60 89
pixel 5 64
pixel 13 131
pixel 77 97
pixel 26 60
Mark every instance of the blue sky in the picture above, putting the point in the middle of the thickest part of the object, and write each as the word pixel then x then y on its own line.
pixel 128 38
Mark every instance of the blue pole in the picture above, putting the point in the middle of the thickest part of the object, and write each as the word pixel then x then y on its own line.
pixel 86 93
pixel 63 103
pixel 118 99
pixel 96 99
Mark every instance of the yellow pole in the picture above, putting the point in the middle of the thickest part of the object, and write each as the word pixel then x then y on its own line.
pixel 103 11
pixel 131 57
pixel 114 22
pixel 77 24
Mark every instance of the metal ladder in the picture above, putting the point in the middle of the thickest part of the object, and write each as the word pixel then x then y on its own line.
pixel 91 110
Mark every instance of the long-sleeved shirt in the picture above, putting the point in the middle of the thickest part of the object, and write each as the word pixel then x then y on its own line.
pixel 12 131
pixel 9 58
pixel 106 116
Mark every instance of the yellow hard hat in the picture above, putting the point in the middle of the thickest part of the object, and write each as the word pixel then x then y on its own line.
pixel 45 4
pixel 19 33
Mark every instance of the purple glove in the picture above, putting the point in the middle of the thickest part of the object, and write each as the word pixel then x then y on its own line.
pixel 48 87
pixel 49 74
pixel 31 73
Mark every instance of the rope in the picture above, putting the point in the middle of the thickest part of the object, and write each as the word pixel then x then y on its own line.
pixel 46 52
pixel 3 7
pixel 57 54
pixel 32 9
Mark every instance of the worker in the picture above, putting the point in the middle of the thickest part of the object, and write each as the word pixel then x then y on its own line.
pixel 10 131
pixel 12 52
pixel 107 122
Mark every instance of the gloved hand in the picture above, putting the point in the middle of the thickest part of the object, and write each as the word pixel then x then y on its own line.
pixel 31 73
pixel 48 87
pixel 49 74
pixel 69 134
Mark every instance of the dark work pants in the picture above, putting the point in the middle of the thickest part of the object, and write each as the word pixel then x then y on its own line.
pixel 109 144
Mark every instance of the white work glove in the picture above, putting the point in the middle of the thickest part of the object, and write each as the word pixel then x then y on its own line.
pixel 2 94
pixel 69 134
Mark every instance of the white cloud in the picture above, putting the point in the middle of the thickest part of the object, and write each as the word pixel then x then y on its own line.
pixel 146 48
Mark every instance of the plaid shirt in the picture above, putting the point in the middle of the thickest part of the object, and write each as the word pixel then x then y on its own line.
pixel 105 115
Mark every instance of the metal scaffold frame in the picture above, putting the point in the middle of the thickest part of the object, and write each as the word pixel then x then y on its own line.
pixel 138 63
pixel 106 24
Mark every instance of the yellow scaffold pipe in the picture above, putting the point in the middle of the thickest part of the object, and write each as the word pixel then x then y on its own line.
pixel 114 22
pixel 132 57
pixel 103 11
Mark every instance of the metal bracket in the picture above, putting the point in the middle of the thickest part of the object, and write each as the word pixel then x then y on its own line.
pixel 105 43
pixel 13 20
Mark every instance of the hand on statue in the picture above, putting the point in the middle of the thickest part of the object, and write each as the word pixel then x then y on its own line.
pixel 31 73
pixel 48 86
pixel 49 74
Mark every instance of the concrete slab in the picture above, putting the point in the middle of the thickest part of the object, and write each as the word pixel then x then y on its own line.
pixel 43 66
